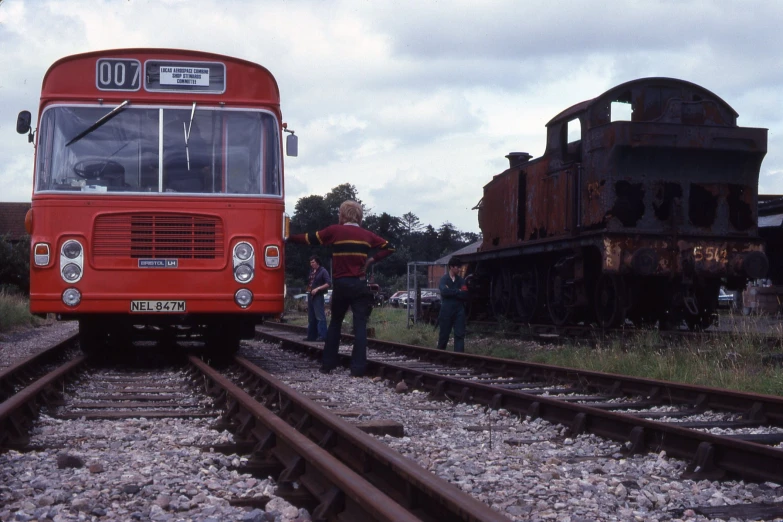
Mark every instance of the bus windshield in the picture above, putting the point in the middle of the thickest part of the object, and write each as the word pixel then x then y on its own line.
pixel 191 150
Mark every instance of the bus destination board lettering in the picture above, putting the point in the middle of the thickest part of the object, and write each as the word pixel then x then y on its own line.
pixel 184 76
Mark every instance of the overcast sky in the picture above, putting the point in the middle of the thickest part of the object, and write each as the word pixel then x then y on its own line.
pixel 417 102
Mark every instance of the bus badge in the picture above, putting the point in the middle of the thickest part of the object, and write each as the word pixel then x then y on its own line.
pixel 158 263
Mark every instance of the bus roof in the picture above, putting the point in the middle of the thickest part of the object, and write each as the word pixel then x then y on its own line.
pixel 74 78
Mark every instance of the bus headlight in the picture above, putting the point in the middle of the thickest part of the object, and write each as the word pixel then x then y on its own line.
pixel 244 262
pixel 72 297
pixel 243 251
pixel 72 249
pixel 243 273
pixel 71 272
pixel 71 261
pixel 243 297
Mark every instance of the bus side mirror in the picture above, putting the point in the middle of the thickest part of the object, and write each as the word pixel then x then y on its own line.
pixel 23 122
pixel 292 145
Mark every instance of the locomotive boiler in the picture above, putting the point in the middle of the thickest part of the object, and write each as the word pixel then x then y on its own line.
pixel 643 204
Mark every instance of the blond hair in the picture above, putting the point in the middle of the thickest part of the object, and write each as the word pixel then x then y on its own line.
pixel 351 212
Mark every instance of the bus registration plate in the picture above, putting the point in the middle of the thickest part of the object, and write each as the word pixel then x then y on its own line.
pixel 157 306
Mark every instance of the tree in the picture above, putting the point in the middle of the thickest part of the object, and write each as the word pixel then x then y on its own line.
pixel 386 226
pixel 468 238
pixel 411 223
pixel 310 214
pixel 448 239
pixel 337 195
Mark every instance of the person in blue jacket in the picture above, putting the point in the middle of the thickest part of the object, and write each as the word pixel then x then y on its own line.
pixel 319 282
pixel 453 296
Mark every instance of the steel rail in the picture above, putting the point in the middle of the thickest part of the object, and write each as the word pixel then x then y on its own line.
pixel 20 372
pixel 339 492
pixel 710 456
pixel 765 408
pixel 18 411
pixel 403 479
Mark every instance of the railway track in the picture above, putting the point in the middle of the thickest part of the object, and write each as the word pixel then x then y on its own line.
pixel 319 461
pixel 722 434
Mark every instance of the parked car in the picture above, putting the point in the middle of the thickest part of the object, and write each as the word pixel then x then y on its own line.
pixel 726 299
pixel 427 296
pixel 394 300
pixel 300 302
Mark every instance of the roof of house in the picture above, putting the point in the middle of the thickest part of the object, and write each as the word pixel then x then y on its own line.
pixel 470 249
pixel 12 220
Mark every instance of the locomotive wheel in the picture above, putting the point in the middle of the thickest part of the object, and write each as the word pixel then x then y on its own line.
pixel 557 298
pixel 610 301
pixel 500 294
pixel 526 293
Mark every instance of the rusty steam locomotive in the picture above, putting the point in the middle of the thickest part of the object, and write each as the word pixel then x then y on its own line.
pixel 643 204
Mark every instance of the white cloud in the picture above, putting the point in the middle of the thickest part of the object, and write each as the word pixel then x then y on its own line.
pixel 415 103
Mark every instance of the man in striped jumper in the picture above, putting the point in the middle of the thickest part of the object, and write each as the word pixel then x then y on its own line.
pixel 351 246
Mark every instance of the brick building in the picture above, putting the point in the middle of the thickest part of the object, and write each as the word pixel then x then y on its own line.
pixel 12 220
pixel 436 271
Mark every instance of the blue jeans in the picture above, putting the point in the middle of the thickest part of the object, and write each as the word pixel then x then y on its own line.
pixel 353 293
pixel 316 317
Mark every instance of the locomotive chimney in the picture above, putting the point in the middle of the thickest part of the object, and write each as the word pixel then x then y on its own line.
pixel 516 159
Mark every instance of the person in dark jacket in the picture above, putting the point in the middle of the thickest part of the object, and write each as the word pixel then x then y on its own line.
pixel 350 261
pixel 453 296
pixel 318 283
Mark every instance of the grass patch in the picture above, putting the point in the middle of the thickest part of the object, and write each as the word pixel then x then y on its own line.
pixel 738 359
pixel 15 312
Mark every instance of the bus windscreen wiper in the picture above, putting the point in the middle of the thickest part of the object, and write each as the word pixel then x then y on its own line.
pixel 187 129
pixel 114 112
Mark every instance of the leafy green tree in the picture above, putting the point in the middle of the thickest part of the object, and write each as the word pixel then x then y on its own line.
pixel 467 238
pixel 448 239
pixel 310 214
pixel 411 223
pixel 337 195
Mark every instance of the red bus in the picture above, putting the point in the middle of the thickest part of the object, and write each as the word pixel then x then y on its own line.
pixel 158 203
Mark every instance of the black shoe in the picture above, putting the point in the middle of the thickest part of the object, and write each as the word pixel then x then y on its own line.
pixel 320 340
pixel 326 369
pixel 356 374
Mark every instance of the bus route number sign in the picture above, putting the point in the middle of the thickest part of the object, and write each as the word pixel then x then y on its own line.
pixel 116 74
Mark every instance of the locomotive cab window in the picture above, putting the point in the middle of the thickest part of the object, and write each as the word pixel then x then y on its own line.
pixel 621 111
pixel 193 150
pixel 574 138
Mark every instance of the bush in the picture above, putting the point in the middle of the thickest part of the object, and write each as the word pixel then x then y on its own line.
pixel 15 311
pixel 15 265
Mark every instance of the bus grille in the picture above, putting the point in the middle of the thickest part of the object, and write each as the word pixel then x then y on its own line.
pixel 181 236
